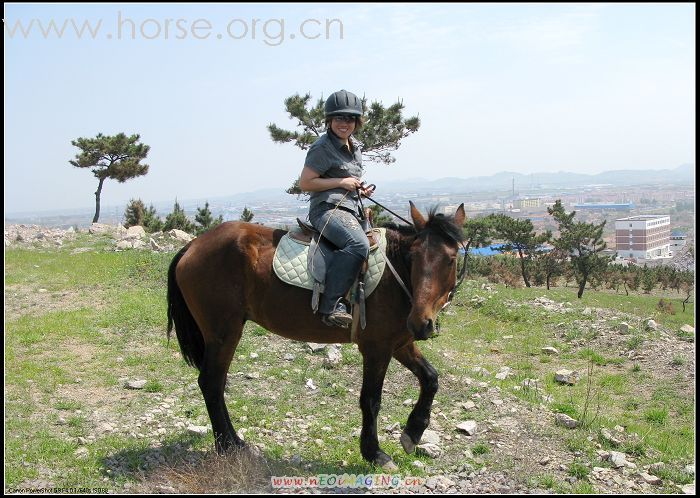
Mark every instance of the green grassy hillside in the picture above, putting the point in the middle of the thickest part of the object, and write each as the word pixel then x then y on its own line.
pixel 80 323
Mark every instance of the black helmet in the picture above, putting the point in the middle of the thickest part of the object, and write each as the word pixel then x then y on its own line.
pixel 343 102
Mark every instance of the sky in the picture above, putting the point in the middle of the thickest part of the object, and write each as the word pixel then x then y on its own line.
pixel 530 88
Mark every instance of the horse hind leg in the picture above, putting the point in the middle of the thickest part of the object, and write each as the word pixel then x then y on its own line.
pixel 418 420
pixel 212 381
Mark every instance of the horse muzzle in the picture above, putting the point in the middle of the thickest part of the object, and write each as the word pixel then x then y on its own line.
pixel 423 330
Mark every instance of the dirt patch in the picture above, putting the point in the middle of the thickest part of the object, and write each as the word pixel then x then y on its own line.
pixel 21 300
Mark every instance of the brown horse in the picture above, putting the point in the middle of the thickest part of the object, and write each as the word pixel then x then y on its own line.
pixel 225 277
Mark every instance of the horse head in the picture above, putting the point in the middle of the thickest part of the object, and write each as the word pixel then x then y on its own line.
pixel 433 262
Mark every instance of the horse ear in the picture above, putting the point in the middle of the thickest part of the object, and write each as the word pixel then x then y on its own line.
pixel 460 215
pixel 418 220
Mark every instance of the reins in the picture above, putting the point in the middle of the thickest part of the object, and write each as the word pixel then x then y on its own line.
pixel 404 287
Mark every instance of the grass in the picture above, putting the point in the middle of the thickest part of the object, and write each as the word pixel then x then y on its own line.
pixel 102 320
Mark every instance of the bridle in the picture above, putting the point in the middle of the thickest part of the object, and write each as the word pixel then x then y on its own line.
pixel 462 271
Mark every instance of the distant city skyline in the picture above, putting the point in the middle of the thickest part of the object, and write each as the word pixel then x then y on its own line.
pixel 532 88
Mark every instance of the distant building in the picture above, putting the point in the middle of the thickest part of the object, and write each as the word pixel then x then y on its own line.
pixel 678 240
pixel 644 237
pixel 626 206
pixel 527 203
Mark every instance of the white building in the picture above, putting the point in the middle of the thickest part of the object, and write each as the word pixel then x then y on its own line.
pixel 644 237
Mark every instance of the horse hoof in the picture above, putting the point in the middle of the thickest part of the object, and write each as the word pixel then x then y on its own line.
pixel 386 463
pixel 408 444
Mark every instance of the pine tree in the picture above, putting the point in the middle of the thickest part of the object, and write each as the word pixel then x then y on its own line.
pixel 134 214
pixel 520 236
pixel 118 157
pixel 204 219
pixel 379 219
pixel 151 220
pixel 177 219
pixel 247 215
pixel 137 214
pixel 583 242
pixel 381 134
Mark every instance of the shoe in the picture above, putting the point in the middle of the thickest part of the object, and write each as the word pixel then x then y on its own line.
pixel 339 317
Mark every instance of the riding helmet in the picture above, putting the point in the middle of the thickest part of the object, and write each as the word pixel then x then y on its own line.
pixel 343 102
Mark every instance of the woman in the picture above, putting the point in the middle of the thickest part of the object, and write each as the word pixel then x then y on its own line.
pixel 331 175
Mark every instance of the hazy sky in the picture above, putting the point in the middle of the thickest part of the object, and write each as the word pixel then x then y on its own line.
pixel 529 88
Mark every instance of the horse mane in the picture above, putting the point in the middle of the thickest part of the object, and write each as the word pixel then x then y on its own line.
pixel 437 224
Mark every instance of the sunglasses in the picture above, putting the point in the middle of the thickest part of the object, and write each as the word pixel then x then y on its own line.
pixel 345 119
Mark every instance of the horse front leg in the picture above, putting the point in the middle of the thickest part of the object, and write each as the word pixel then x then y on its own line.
pixel 375 363
pixel 410 357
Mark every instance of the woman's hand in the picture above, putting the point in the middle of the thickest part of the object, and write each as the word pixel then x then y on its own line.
pixel 350 183
pixel 367 190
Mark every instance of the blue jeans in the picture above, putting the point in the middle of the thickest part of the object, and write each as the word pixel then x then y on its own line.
pixel 343 229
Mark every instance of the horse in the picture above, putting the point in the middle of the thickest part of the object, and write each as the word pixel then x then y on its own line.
pixel 224 278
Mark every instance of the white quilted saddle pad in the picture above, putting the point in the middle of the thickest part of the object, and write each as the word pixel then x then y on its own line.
pixel 290 263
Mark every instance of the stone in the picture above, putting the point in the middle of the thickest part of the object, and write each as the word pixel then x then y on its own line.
pixel 469 427
pixel 135 384
pixel 617 459
pixel 565 421
pixel 565 376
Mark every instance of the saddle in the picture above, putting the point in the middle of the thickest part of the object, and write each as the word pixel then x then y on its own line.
pixel 302 256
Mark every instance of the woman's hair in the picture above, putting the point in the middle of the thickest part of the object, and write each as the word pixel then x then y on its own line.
pixel 359 123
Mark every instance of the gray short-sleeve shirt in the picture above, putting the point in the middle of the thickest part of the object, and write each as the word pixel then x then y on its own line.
pixel 330 158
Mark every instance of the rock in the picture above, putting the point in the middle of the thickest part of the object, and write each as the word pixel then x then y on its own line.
pixel 429 449
pixel 393 427
pixel 469 427
pixel 310 384
pixel 624 328
pixel 688 329
pixel 124 244
pixel 469 405
pixel 565 421
pixel 651 325
pixel 315 347
pixel 650 479
pixel 333 357
pixel 135 384
pixel 480 371
pixel 180 235
pixel 135 232
pixel 565 376
pixel 550 350
pixel 197 430
pixel 617 459
pixel 688 489
pixel 609 437
pixel 689 469
pixel 430 436
pixel 101 229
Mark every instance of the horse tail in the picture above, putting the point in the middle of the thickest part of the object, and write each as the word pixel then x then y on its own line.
pixel 189 336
